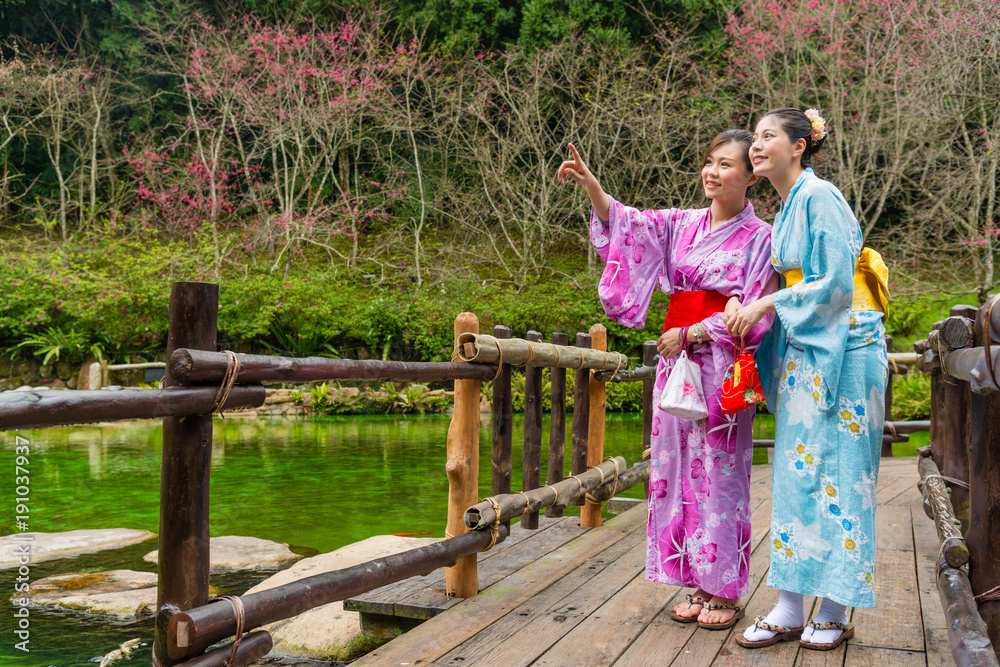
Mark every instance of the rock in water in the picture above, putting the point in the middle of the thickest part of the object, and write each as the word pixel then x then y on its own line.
pixel 325 633
pixel 49 546
pixel 119 593
pixel 234 553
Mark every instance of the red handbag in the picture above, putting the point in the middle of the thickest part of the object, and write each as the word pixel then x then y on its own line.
pixel 741 387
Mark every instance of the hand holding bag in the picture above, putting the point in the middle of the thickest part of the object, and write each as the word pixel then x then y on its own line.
pixel 741 387
pixel 683 396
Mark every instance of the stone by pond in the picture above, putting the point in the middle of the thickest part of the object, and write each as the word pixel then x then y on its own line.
pixel 233 553
pixel 49 546
pixel 123 594
pixel 328 632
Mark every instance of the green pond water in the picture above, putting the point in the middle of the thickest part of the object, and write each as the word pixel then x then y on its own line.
pixel 314 483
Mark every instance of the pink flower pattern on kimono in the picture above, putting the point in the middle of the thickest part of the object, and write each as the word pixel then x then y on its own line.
pixel 675 250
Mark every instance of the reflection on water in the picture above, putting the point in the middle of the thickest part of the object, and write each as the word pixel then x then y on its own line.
pixel 316 484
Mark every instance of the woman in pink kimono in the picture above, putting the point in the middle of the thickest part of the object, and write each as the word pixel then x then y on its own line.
pixel 698 533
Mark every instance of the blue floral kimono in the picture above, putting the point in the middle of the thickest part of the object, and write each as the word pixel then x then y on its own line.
pixel 826 387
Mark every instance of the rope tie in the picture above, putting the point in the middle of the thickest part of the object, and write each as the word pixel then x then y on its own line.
pixel 895 368
pixel 531 354
pixel 527 502
pixel 228 380
pixel 555 494
pixel 944 366
pixel 987 339
pixel 986 596
pixel 951 480
pixel 558 356
pixel 892 431
pixel 499 363
pixel 578 482
pixel 495 528
pixel 614 490
pixel 240 615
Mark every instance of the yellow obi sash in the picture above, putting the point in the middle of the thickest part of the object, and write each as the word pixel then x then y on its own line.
pixel 871 278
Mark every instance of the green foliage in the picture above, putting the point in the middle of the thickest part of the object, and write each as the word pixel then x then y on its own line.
pixel 56 344
pixel 292 343
pixel 388 399
pixel 911 396
pixel 624 397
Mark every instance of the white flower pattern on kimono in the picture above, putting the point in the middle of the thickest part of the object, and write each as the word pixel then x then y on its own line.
pixel 802 409
pixel 867 577
pixel 837 313
pixel 866 489
pixel 853 417
pixel 782 539
pixel 811 545
pixel 804 458
pixel 828 498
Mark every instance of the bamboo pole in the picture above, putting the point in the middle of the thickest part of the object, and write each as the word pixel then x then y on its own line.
pixel 23 409
pixel 462 468
pixel 581 415
pixel 503 424
pixel 637 473
pixel 197 366
pixel 936 496
pixel 967 632
pixel 557 426
pixel 252 647
pixel 482 515
pixel 983 536
pixel 531 460
pixel 192 631
pixel 590 515
pixel 486 350
pixel 182 581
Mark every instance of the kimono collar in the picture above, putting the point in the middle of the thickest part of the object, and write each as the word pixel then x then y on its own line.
pixel 805 176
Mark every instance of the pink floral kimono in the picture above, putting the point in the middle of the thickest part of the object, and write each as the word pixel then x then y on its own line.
pixel 699 506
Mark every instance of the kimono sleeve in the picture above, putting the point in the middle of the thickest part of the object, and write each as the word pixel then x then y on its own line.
pixel 759 279
pixel 815 313
pixel 634 244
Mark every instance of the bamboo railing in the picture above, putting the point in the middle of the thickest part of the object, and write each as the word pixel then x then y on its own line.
pixel 200 380
pixel 960 474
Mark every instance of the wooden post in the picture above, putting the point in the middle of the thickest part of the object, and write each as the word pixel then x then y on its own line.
pixel 887 446
pixel 581 415
pixel 531 462
pixel 503 421
pixel 182 581
pixel 983 537
pixel 590 515
pixel 648 359
pixel 957 333
pixel 462 468
pixel 557 426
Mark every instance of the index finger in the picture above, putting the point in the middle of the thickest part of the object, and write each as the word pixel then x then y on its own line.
pixel 576 155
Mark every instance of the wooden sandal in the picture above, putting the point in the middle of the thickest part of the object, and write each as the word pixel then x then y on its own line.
pixel 725 625
pixel 782 634
pixel 847 633
pixel 691 600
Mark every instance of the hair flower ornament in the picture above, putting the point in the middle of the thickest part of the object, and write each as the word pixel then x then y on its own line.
pixel 818 124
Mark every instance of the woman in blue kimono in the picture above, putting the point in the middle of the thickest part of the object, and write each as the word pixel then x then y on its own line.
pixel 823 369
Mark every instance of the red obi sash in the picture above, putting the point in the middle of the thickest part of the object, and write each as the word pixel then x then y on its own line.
pixel 686 308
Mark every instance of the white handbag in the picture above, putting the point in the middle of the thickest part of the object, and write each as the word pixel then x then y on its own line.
pixel 683 396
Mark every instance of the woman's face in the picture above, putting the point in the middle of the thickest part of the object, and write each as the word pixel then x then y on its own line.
pixel 724 175
pixel 772 152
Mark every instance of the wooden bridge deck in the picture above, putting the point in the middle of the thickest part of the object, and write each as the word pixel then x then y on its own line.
pixel 563 595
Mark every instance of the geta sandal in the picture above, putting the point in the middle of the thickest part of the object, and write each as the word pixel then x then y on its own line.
pixel 782 634
pixel 691 600
pixel 847 632
pixel 725 625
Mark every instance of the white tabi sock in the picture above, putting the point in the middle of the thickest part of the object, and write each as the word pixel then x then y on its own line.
pixel 829 612
pixel 788 612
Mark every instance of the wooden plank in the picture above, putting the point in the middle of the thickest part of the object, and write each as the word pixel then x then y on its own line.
pixel 382 600
pixel 898 605
pixel 866 656
pixel 605 634
pixel 893 528
pixel 936 642
pixel 557 609
pixel 894 481
pixel 432 639
pixel 428 602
